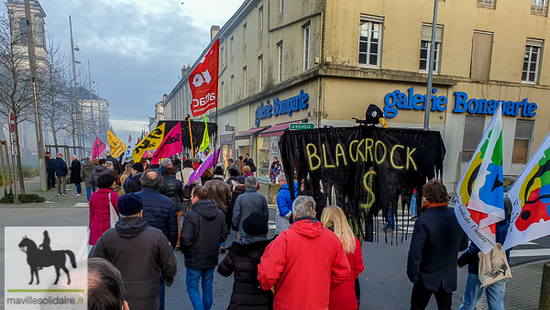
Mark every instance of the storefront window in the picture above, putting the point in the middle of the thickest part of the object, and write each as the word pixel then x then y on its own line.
pixel 227 152
pixel 263 161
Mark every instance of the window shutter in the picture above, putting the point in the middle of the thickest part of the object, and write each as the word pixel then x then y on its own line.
pixel 524 129
pixel 535 42
pixel 427 33
pixel 473 132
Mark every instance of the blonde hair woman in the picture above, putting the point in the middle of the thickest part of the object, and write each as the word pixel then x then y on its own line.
pixel 343 296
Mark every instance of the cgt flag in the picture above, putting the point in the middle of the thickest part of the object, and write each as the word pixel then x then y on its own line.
pixel 98 148
pixel 117 146
pixel 150 142
pixel 530 197
pixel 480 201
pixel 204 82
pixel 170 145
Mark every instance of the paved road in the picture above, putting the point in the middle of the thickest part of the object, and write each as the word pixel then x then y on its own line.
pixel 384 283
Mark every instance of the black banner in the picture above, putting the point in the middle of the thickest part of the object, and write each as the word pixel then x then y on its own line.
pixel 366 168
pixel 197 129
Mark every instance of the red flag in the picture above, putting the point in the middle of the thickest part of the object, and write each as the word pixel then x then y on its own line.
pixel 204 82
pixel 170 145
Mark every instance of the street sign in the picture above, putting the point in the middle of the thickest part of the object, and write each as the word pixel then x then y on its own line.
pixel 13 150
pixel 301 126
pixel 13 139
pixel 229 128
pixel 12 122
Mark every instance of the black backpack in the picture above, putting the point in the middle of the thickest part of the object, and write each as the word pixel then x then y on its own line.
pixel 188 189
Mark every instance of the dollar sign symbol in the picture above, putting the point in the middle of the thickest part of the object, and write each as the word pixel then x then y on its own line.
pixel 368 181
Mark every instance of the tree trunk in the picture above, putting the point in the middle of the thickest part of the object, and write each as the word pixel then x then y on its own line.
pixel 18 158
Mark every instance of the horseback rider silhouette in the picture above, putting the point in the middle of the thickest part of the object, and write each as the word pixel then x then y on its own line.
pixel 45 246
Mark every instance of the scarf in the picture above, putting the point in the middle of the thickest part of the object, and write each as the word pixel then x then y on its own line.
pixel 432 205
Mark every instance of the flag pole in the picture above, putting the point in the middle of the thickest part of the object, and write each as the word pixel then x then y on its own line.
pixel 191 136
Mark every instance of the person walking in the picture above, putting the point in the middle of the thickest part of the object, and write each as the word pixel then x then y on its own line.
pixel 233 182
pixel 127 173
pixel 305 260
pixel 220 193
pixel 284 205
pixel 249 202
pixel 183 176
pixel 99 170
pixel 116 164
pixel 343 296
pixel 100 207
pixel 133 183
pixel 50 170
pixel 203 230
pixel 75 175
pixel 247 173
pixel 275 169
pixel 243 259
pixel 159 212
pixel 231 164
pixel 86 174
pixel 437 238
pixel 473 290
pixel 141 253
pixel 241 164
pixel 173 189
pixel 61 169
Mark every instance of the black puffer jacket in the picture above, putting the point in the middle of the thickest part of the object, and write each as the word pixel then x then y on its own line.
pixel 98 171
pixel 243 259
pixel 159 212
pixel 134 184
pixel 173 189
pixel 202 232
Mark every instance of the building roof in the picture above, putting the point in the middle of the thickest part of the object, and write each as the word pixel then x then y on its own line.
pixel 84 94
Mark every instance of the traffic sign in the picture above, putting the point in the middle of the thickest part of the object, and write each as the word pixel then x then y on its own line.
pixel 12 122
pixel 301 126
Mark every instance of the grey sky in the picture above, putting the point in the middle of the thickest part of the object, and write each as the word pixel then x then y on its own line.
pixel 136 47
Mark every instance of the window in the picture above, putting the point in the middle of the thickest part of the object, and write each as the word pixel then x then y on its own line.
pixel 261 19
pixel 482 46
pixel 221 56
pixel 260 72
pixel 306 32
pixel 280 62
pixel 488 4
pixel 245 37
pixel 245 77
pixel 232 43
pixel 222 94
pixel 23 30
pixel 539 7
pixel 370 34
pixel 522 141
pixel 232 89
pixel 473 132
pixel 531 61
pixel 281 9
pixel 425 47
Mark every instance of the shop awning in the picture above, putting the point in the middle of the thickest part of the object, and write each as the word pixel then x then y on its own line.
pixel 246 134
pixel 276 130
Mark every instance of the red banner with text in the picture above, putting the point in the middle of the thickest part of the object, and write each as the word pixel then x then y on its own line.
pixel 204 81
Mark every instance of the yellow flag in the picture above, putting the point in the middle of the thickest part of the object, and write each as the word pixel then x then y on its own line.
pixel 150 142
pixel 117 146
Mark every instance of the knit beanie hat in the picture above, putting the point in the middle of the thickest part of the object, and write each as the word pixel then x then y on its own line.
pixel 256 224
pixel 138 167
pixel 129 204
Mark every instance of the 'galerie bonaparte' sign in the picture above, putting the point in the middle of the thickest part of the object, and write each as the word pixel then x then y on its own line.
pixel 279 107
pixel 397 100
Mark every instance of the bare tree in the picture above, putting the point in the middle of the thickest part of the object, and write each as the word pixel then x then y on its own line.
pixel 15 83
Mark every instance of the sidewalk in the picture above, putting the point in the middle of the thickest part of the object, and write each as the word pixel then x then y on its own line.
pixel 32 186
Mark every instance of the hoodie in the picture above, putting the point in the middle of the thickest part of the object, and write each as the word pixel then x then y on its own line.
pixel 86 173
pixel 99 170
pixel 305 258
pixel 202 232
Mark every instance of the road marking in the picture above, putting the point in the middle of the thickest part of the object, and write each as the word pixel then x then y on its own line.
pixel 81 205
pixel 529 243
pixel 527 253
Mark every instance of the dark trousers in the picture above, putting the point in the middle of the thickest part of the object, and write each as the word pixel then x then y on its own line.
pixel 51 179
pixel 421 297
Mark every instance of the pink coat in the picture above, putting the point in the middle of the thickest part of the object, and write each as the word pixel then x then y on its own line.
pixel 100 213
pixel 342 297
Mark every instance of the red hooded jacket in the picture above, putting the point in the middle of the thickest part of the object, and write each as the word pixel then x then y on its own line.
pixel 303 263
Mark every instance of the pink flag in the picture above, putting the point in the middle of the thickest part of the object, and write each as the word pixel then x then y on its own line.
pixel 169 146
pixel 210 162
pixel 98 148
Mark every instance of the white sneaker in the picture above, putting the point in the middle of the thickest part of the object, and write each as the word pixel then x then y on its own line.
pixel 63 194
pixel 77 195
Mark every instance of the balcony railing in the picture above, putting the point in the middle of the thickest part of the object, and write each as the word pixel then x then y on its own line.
pixel 539 9
pixel 488 4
